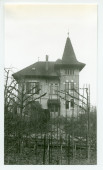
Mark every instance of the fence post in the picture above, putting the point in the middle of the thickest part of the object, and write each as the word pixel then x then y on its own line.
pixel 61 148
pixel 73 133
pixel 44 149
pixel 49 149
pixel 75 147
pixel 68 149
pixel 88 126
pixel 36 149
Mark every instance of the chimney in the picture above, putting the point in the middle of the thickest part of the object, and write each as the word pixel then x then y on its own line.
pixel 46 62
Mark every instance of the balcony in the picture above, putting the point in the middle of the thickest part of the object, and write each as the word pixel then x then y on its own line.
pixel 53 102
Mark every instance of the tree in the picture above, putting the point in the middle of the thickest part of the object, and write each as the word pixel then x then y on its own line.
pixel 16 105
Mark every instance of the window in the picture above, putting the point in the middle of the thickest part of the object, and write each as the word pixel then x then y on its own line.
pixel 67 85
pixel 37 87
pixel 67 105
pixel 51 88
pixel 72 103
pixel 66 71
pixel 54 108
pixel 72 86
pixel 69 71
pixel 54 89
pixel 32 87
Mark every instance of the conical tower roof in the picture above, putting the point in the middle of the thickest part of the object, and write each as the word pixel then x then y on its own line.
pixel 69 55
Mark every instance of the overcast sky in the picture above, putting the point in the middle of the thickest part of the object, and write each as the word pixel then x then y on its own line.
pixel 32 31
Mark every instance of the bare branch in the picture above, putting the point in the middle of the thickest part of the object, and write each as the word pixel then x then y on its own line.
pixel 34 100
pixel 31 95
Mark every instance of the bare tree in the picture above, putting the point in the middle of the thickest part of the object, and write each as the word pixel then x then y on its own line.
pixel 16 102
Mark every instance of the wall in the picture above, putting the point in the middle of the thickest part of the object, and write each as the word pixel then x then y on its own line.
pixel 69 78
pixel 45 88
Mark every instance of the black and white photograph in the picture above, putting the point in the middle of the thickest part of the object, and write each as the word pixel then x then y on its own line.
pixel 50 84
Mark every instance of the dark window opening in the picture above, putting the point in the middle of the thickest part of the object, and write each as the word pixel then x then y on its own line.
pixel 32 87
pixel 72 103
pixel 37 88
pixel 72 86
pixel 53 108
pixel 67 105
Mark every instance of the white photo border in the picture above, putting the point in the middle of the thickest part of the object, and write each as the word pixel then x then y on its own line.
pixel 99 83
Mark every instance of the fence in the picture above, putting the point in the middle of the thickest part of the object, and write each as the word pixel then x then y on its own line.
pixel 66 140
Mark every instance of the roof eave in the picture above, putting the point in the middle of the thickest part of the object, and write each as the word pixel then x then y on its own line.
pixel 18 77
pixel 79 65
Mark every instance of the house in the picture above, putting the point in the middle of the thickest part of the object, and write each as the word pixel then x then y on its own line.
pixel 59 80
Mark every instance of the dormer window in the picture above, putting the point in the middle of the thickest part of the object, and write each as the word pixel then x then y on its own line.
pixel 33 68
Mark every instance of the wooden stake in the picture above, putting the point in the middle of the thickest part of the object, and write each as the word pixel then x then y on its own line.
pixel 44 149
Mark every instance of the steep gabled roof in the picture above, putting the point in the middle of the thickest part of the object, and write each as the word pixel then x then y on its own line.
pixel 37 69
